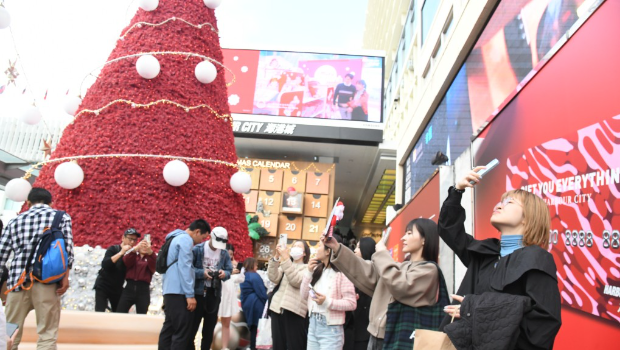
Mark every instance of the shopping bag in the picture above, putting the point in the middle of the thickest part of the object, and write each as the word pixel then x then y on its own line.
pixel 263 332
pixel 426 339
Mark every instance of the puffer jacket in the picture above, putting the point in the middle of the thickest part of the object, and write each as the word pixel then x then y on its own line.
pixel 289 275
pixel 489 321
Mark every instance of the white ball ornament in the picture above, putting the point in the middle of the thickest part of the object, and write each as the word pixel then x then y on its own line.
pixel 5 18
pixel 241 182
pixel 72 104
pixel 212 4
pixel 18 189
pixel 31 116
pixel 69 175
pixel 205 72
pixel 176 173
pixel 148 66
pixel 148 5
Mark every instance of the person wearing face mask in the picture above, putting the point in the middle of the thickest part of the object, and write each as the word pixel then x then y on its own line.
pixel 289 325
pixel 405 296
pixel 516 273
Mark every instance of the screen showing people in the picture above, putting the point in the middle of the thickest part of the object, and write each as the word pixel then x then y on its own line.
pixel 308 85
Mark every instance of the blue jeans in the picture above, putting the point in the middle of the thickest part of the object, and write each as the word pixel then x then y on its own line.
pixel 322 336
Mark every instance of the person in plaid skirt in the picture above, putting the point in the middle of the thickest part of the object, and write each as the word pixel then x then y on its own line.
pixel 20 236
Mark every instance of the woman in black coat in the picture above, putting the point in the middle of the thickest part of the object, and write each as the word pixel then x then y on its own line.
pixel 518 264
pixel 365 249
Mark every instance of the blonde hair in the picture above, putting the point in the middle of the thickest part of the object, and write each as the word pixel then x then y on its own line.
pixel 536 216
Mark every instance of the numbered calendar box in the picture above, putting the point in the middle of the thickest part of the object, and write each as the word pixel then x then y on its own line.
pixel 270 201
pixel 270 223
pixel 313 228
pixel 250 200
pixel 255 176
pixel 317 183
pixel 296 179
pixel 292 204
pixel 271 180
pixel 315 205
pixel 291 225
pixel 264 248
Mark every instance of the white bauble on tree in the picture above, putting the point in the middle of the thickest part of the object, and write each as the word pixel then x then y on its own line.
pixel 5 18
pixel 148 66
pixel 148 5
pixel 241 182
pixel 17 190
pixel 72 103
pixel 69 175
pixel 205 72
pixel 176 173
pixel 31 115
pixel 212 4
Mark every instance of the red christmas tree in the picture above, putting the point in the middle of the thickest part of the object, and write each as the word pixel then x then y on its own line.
pixel 192 121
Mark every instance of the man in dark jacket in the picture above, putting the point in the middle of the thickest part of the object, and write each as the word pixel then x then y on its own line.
pixel 109 283
pixel 344 94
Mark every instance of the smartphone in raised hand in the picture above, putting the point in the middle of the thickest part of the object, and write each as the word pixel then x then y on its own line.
pixel 492 164
pixel 282 242
pixel 386 235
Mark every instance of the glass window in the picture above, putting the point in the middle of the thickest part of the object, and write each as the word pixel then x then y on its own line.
pixel 429 9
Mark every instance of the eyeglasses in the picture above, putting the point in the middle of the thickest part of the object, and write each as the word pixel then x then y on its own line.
pixel 508 200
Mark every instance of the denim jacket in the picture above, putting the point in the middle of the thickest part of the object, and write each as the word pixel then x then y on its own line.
pixel 224 264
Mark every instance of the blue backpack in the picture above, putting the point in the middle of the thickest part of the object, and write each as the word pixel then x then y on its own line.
pixel 51 260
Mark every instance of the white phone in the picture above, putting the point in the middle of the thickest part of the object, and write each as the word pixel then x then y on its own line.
pixel 147 237
pixel 386 235
pixel 283 240
pixel 311 291
pixel 492 164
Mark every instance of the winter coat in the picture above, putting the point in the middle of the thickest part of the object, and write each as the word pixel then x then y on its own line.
pixel 341 299
pixel 529 271
pixel 253 297
pixel 289 276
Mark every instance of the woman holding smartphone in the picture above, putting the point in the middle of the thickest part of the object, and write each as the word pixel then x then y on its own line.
pixel 405 296
pixel 289 325
pixel 329 294
pixel 517 267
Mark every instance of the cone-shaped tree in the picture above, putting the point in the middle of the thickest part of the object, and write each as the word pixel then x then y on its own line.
pixel 118 193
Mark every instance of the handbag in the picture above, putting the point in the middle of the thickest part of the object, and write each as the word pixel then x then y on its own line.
pixel 425 339
pixel 263 332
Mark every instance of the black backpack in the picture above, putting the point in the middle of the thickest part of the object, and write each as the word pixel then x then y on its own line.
pixel 161 264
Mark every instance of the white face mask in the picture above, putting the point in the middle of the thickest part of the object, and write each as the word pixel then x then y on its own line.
pixel 297 253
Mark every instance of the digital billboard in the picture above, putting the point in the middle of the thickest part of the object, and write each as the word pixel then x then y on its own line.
pixel 511 47
pixel 560 139
pixel 305 85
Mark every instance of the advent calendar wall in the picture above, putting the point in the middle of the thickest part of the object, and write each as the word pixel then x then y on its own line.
pixel 294 198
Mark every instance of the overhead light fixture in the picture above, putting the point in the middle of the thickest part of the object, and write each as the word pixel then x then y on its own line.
pixel 439 159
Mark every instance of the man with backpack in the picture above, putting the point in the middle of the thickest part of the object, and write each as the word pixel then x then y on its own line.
pixel 175 262
pixel 36 254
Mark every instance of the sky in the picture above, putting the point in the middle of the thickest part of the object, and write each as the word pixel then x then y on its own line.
pixel 61 42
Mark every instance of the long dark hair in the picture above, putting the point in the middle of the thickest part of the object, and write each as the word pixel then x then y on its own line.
pixel 367 247
pixel 318 271
pixel 428 230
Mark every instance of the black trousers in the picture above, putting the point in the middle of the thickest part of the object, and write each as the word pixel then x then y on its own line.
pixel 175 334
pixel 135 293
pixel 206 308
pixel 253 331
pixel 101 300
pixel 289 331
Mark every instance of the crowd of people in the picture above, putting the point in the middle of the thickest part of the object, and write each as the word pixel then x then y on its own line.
pixel 338 299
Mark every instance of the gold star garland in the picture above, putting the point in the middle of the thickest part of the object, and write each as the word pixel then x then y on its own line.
pixel 178 53
pixel 140 24
pixel 159 156
pixel 133 104
pixel 312 165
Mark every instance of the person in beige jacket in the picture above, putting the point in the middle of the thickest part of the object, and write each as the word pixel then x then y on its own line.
pixel 414 283
pixel 289 324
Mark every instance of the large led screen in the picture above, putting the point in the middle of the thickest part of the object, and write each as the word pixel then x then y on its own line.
pixel 560 139
pixel 514 43
pixel 305 85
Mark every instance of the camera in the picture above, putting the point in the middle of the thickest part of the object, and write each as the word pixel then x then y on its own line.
pixel 216 283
